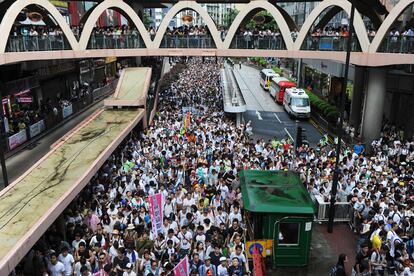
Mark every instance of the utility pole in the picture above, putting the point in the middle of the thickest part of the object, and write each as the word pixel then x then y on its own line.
pixel 341 122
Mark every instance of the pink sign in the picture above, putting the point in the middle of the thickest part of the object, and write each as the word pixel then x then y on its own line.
pixel 182 268
pixel 156 213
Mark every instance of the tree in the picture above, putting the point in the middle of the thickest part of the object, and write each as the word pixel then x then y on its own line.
pixel 229 17
pixel 146 19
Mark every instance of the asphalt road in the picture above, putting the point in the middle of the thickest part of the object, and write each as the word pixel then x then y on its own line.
pixel 267 117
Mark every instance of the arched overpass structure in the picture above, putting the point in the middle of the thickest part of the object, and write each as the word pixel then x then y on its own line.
pixel 381 51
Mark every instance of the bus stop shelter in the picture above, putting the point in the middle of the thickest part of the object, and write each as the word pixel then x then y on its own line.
pixel 279 209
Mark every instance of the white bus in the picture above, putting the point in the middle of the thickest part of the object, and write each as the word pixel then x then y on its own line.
pixel 266 76
pixel 296 103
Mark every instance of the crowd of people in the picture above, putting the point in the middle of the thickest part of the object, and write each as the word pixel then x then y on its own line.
pixel 194 163
pixel 107 229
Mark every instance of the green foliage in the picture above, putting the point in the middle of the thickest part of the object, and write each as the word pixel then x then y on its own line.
pixel 277 70
pixel 229 17
pixel 146 19
pixel 323 107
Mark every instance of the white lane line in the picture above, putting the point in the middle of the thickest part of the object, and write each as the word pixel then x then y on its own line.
pixel 290 136
pixel 277 117
pixel 258 115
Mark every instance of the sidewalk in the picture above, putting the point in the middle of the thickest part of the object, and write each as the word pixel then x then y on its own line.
pixel 21 161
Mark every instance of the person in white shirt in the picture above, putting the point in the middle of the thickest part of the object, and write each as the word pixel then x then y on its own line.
pixel 67 260
pixel 235 214
pixel 222 268
pixel 188 201
pixel 55 267
pixel 186 239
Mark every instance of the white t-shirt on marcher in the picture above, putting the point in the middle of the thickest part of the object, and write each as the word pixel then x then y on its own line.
pixel 56 270
pixel 67 262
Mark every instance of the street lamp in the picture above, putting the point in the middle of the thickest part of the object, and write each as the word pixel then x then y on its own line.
pixel 341 122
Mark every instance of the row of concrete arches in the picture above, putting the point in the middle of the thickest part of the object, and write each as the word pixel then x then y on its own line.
pixel 284 23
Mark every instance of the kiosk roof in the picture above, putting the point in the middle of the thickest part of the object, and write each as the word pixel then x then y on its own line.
pixel 275 192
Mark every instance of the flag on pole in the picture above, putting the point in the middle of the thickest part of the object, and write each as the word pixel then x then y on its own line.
pixel 182 268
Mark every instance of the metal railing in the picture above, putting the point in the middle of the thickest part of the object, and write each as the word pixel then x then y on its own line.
pixel 187 41
pixel 343 210
pixel 37 43
pixel 329 43
pixel 397 44
pixel 265 43
pixel 101 41
pixel 25 43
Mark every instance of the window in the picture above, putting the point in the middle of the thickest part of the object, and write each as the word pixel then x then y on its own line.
pixel 289 233
pixel 263 76
pixel 300 102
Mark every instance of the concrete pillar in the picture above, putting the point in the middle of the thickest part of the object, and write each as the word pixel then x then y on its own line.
pixel 395 107
pixel 374 104
pixel 357 97
pixel 139 10
pixel 238 119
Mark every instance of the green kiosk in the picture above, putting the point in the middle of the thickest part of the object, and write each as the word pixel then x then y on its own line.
pixel 280 210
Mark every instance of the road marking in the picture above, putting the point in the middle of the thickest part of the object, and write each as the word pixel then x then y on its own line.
pixel 258 115
pixel 277 117
pixel 290 136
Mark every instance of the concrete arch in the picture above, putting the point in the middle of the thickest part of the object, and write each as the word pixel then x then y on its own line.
pixel 12 12
pixel 120 6
pixel 359 27
pixel 187 5
pixel 387 23
pixel 260 5
pixel 289 20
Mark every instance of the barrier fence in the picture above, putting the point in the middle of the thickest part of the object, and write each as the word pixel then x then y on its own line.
pixel 343 210
pixel 51 120
pixel 22 43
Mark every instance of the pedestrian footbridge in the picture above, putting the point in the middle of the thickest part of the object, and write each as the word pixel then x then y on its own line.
pixel 378 50
pixel 32 203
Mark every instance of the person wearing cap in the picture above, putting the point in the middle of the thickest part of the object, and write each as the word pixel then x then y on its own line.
pixel 129 270
pixel 222 269
pixel 207 269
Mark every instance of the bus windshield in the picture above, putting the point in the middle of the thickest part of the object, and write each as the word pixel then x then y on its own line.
pixel 300 102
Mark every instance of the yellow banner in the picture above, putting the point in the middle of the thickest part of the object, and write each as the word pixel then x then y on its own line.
pixel 262 246
pixel 60 4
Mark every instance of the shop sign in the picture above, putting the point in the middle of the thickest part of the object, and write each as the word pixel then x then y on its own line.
pixel 5 100
pixel 23 92
pixel 37 128
pixel 26 99
pixel 17 139
pixel 67 111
